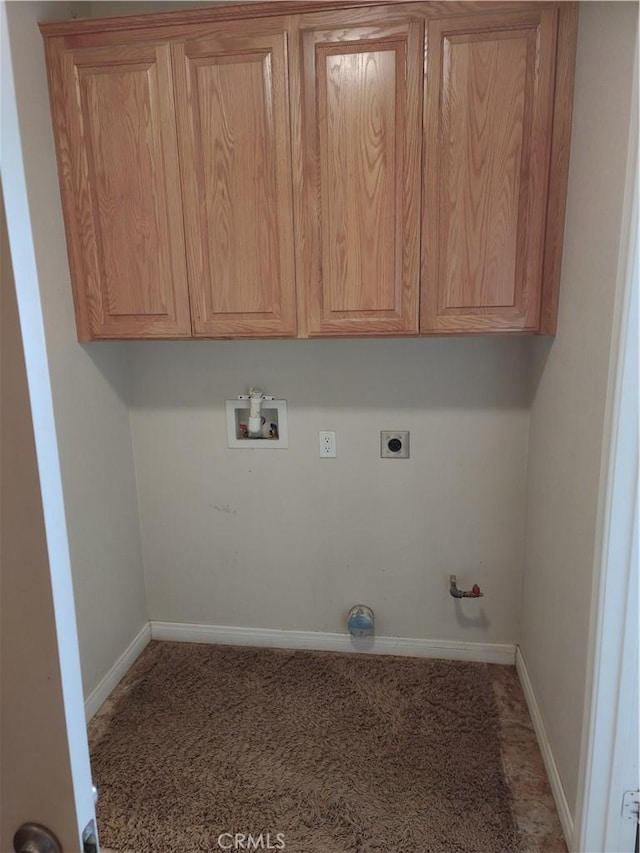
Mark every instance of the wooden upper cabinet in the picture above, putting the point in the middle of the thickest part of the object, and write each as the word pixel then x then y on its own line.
pixel 307 169
pixel 235 152
pixel 118 162
pixel 489 101
pixel 356 107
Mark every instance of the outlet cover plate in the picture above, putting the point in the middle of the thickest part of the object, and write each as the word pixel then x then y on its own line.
pixel 327 441
pixel 394 444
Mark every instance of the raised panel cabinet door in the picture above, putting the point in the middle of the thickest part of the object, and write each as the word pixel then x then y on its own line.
pixel 488 107
pixel 117 150
pixel 357 117
pixel 232 98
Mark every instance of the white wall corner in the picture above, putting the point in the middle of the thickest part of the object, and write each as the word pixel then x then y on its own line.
pixel 181 632
pixel 564 813
pixel 110 681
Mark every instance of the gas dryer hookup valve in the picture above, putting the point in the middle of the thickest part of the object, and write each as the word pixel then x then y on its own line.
pixel 474 592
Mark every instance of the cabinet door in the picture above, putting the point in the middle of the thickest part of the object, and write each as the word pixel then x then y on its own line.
pixel 118 161
pixel 488 105
pixel 232 98
pixel 357 112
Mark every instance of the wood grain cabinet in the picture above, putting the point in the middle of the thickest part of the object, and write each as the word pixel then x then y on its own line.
pixel 358 111
pixel 234 138
pixel 175 167
pixel 315 169
pixel 119 173
pixel 489 105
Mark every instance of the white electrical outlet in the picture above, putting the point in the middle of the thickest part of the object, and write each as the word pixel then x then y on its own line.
pixel 327 444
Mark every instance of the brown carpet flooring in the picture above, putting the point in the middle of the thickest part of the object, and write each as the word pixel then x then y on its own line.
pixel 338 753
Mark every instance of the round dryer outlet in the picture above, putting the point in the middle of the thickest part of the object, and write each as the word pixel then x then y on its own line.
pixel 394 444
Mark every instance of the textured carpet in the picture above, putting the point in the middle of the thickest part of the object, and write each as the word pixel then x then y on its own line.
pixel 337 753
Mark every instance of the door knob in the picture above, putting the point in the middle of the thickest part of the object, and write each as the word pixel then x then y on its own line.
pixel 33 838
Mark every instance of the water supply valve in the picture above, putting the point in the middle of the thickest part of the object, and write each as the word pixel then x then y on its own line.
pixel 255 398
pixel 474 592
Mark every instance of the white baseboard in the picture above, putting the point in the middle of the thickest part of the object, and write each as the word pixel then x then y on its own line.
pixel 100 693
pixel 564 813
pixel 321 641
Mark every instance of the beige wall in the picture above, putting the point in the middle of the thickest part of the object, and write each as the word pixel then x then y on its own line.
pixel 89 385
pixel 570 386
pixel 283 539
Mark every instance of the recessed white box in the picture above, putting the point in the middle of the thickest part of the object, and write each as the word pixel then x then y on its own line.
pixel 273 411
pixel 394 444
